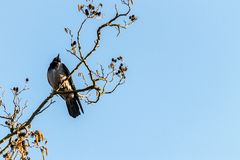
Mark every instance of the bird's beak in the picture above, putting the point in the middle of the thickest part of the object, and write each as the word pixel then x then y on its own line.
pixel 58 56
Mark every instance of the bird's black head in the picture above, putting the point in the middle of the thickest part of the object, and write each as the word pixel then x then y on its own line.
pixel 57 59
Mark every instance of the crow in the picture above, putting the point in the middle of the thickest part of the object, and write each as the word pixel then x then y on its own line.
pixel 56 74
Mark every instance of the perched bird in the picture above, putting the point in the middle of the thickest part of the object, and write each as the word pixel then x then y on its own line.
pixel 57 73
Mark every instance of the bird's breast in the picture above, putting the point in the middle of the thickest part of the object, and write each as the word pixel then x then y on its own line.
pixel 56 76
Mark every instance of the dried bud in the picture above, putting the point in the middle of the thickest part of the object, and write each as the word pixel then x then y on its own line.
pixel 17 110
pixel 86 12
pixel 12 146
pixel 22 134
pixel 27 80
pixel 114 60
pixel 15 89
pixel 120 58
pixel 133 18
pixel 66 30
pixel 80 7
pixel 111 65
pixel 91 7
pixel 73 43
pixel 120 68
pixel 7 123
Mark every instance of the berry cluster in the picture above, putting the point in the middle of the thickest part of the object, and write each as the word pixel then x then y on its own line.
pixel 22 143
pixel 133 18
pixel 90 10
pixel 121 69
pixel 15 89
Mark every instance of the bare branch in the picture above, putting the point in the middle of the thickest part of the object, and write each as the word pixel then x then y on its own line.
pixel 78 37
pixel 51 102
pixel 98 82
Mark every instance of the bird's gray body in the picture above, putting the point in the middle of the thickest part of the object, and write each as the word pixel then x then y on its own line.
pixel 57 73
pixel 56 76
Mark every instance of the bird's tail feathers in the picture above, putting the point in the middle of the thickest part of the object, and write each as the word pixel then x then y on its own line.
pixel 73 108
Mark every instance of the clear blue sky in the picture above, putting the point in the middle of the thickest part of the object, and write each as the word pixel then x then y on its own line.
pixel 182 96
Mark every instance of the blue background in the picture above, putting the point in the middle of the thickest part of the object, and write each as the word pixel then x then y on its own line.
pixel 181 100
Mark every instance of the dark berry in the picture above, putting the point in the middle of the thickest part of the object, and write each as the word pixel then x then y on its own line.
pixel 90 6
pixel 86 12
pixel 73 43
pixel 119 58
pixel 12 146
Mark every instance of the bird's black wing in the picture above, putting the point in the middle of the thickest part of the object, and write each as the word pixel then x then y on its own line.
pixel 67 73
